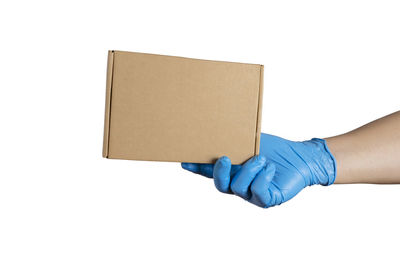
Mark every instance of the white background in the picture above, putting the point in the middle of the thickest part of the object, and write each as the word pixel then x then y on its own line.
pixel 330 66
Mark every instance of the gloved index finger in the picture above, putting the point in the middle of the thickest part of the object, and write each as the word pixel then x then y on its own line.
pixel 222 174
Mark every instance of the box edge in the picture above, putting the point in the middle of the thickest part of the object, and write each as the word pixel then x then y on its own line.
pixel 187 58
pixel 107 116
pixel 259 111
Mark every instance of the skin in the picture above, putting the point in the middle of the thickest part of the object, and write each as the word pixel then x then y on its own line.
pixel 369 154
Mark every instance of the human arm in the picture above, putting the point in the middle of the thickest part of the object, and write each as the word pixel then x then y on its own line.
pixel 369 154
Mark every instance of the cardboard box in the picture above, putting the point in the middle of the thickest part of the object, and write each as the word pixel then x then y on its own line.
pixel 166 108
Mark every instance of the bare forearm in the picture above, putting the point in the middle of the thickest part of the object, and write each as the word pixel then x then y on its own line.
pixel 369 154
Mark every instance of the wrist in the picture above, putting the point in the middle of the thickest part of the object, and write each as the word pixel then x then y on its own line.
pixel 340 146
pixel 323 167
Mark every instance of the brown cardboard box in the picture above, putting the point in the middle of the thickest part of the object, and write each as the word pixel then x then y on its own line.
pixel 166 108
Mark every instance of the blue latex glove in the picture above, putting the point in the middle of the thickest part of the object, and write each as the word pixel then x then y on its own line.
pixel 280 172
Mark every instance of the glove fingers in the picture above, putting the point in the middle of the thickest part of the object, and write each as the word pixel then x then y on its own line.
pixel 222 174
pixel 206 169
pixel 235 169
pixel 241 181
pixel 202 169
pixel 260 188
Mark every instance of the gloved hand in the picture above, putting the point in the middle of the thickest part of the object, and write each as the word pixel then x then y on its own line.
pixel 280 172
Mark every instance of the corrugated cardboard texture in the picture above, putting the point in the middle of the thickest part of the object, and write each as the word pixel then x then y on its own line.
pixel 167 108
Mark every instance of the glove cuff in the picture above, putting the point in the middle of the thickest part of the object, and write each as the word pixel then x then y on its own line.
pixel 331 168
